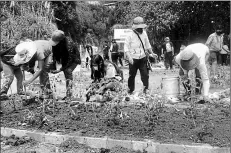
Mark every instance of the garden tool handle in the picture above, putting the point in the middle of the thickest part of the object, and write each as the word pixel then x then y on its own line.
pixel 24 78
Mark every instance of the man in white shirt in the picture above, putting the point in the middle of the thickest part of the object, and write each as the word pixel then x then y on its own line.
pixel 136 54
pixel 214 42
pixel 195 57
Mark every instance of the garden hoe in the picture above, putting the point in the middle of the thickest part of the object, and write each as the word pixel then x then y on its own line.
pixel 24 78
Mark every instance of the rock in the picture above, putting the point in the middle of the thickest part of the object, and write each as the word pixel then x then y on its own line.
pixel 127 98
pixel 214 96
pixel 225 102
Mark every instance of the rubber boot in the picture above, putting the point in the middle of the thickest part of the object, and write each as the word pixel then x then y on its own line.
pixel 69 84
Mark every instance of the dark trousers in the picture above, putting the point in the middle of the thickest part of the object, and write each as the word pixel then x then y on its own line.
pixel 69 78
pixel 140 64
pixel 120 57
pixel 187 83
pixel 114 58
pixel 168 59
pixel 223 59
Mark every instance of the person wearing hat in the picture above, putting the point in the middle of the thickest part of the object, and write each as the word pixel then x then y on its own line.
pixel 41 51
pixel 136 52
pixel 195 57
pixel 168 52
pixel 67 54
pixel 224 50
pixel 106 50
pixel 10 70
pixel 214 42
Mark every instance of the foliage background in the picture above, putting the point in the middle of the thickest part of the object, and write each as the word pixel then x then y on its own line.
pixel 182 21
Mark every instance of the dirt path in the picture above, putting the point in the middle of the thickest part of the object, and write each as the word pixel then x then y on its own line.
pixel 155 79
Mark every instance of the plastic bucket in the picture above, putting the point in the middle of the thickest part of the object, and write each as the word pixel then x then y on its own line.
pixel 171 86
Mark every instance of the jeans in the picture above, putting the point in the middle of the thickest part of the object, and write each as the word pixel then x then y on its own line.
pixel 223 59
pixel 140 64
pixel 120 57
pixel 168 59
pixel 69 78
pixel 44 77
pixel 9 73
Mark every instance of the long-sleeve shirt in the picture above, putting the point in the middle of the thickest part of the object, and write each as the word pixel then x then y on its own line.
pixel 134 47
pixel 201 52
pixel 74 55
pixel 214 42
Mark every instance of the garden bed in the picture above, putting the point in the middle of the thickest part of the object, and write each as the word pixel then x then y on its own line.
pixel 155 119
pixel 202 123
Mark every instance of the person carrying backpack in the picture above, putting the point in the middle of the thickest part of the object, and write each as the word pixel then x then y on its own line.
pixel 168 52
pixel 114 52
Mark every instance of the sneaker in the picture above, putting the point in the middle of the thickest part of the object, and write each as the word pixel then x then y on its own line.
pixel 130 92
pixel 146 91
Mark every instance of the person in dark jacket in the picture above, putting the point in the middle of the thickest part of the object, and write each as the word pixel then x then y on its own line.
pixel 114 52
pixel 67 54
pixel 106 51
pixel 168 52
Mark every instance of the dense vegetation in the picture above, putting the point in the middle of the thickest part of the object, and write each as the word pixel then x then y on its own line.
pixel 190 21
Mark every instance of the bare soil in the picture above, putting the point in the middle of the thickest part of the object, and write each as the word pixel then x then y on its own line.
pixel 200 123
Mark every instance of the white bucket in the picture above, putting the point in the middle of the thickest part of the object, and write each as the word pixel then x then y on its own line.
pixel 171 86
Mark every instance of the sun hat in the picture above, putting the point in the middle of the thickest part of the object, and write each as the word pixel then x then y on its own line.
pixel 189 60
pixel 24 52
pixel 138 22
pixel 56 37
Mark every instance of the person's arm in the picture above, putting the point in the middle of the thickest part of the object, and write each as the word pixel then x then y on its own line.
pixel 111 48
pixel 209 41
pixel 207 56
pixel 127 46
pixel 205 79
pixel 148 46
pixel 185 72
pixel 37 73
pixel 162 51
pixel 172 48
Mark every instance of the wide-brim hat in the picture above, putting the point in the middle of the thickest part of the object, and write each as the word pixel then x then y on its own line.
pixel 138 22
pixel 24 52
pixel 189 60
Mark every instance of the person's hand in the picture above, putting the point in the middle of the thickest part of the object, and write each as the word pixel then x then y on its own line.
pixel 130 60
pixel 55 71
pixel 25 83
